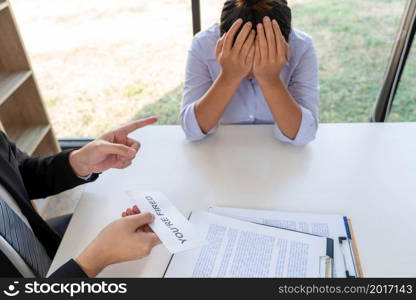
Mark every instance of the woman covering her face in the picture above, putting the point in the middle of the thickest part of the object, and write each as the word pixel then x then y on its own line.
pixel 253 68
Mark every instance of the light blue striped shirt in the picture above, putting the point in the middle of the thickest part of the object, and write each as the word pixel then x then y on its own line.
pixel 248 105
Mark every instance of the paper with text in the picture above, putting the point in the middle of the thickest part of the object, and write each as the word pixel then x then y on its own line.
pixel 242 249
pixel 172 228
pixel 331 226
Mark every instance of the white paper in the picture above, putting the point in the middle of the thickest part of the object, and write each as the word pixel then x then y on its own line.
pixel 172 228
pixel 331 226
pixel 243 249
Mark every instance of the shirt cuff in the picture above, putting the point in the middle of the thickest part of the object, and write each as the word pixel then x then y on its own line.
pixel 191 126
pixel 85 178
pixel 306 133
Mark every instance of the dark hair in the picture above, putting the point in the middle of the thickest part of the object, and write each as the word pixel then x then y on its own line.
pixel 254 11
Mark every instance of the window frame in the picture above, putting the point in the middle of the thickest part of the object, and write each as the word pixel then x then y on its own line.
pixel 396 65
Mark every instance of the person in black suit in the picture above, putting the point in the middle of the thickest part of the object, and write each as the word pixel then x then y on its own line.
pixel 28 244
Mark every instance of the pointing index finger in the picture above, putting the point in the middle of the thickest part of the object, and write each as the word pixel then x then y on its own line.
pixel 134 125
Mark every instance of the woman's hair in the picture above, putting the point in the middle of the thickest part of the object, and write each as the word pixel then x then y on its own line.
pixel 254 11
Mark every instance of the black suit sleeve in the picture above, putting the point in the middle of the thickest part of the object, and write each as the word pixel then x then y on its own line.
pixel 69 270
pixel 47 176
pixel 7 270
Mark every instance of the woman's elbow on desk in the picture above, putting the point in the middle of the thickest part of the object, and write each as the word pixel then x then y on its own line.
pixel 193 137
pixel 307 130
pixel 191 127
pixel 189 124
pixel 196 134
pixel 192 133
pixel 305 136
pixel 304 141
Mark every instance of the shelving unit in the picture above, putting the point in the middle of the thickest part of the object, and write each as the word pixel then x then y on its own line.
pixel 22 113
pixel 3 5
pixel 9 83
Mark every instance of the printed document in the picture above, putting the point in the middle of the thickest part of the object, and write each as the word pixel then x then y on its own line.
pixel 332 226
pixel 242 249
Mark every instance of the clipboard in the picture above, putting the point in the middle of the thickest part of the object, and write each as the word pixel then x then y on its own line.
pixel 326 264
pixel 345 244
pixel 353 250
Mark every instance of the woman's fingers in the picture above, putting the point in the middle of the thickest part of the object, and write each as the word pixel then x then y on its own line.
pixel 230 36
pixel 242 38
pixel 250 56
pixel 278 32
pixel 248 45
pixel 270 36
pixel 257 54
pixel 220 45
pixel 264 51
pixel 282 47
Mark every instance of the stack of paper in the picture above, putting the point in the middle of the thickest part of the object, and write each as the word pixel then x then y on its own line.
pixel 230 242
pixel 243 249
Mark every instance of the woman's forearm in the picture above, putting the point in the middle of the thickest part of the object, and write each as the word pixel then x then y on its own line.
pixel 235 54
pixel 211 106
pixel 286 112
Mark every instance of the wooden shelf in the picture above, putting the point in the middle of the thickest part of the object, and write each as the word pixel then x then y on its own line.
pixel 3 5
pixel 29 139
pixel 47 146
pixel 23 116
pixel 9 83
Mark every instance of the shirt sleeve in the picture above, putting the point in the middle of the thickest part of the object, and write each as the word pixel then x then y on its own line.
pixel 48 175
pixel 69 270
pixel 304 88
pixel 197 83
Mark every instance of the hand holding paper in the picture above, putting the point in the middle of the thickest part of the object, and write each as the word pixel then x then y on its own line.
pixel 172 228
pixel 135 211
pixel 123 240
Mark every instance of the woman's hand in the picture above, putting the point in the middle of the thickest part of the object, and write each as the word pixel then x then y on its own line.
pixel 123 240
pixel 272 52
pixel 236 58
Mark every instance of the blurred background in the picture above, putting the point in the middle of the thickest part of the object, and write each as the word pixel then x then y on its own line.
pixel 100 63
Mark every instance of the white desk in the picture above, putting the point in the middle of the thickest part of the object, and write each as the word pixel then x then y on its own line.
pixel 364 171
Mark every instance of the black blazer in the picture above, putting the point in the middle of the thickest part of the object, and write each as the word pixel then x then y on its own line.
pixel 27 178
